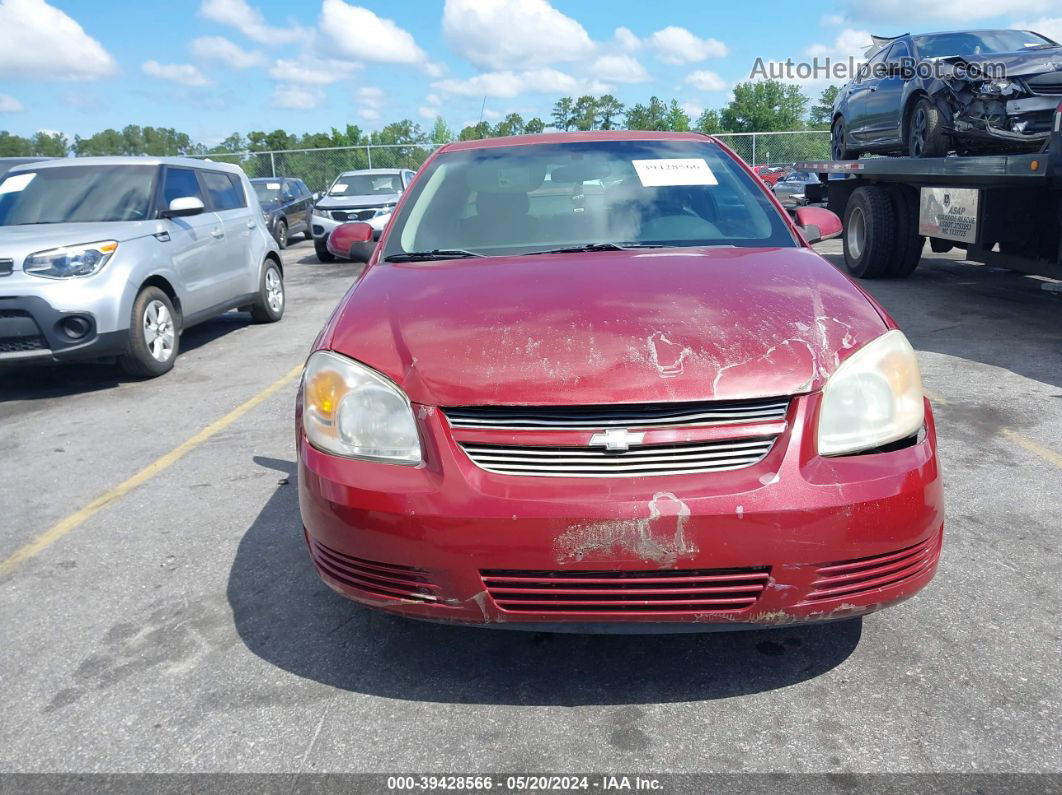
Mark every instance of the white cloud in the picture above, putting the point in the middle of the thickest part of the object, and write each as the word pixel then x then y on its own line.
pixel 434 99
pixel 427 112
pixel 1048 26
pixel 619 69
pixel 904 11
pixel 356 32
pixel 249 21
pixel 509 84
pixel 626 40
pixel 704 80
pixel 40 41
pixel 297 97
pixel 693 108
pixel 183 73
pixel 221 50
pixel 370 99
pixel 369 114
pixel 676 45
pixel 311 71
pixel 508 34
pixel 850 43
pixel 9 104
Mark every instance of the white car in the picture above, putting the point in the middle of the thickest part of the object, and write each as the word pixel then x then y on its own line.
pixel 368 195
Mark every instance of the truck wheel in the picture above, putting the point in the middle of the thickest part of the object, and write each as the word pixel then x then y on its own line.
pixel 868 232
pixel 909 244
pixel 925 131
pixel 282 234
pixel 269 306
pixel 153 336
pixel 320 247
pixel 839 143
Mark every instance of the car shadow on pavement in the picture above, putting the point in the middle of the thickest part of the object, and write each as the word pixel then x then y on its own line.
pixel 285 615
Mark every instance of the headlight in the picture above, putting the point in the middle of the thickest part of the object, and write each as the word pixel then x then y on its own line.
pixel 350 410
pixel 996 86
pixel 387 209
pixel 320 213
pixel 872 399
pixel 68 261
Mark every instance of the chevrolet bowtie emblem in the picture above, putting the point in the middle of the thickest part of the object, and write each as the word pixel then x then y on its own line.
pixel 616 439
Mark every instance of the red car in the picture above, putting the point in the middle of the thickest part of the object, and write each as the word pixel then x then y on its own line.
pixel 601 381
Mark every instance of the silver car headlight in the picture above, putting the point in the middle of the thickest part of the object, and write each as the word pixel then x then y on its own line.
pixel 67 262
pixel 351 410
pixel 387 209
pixel 872 399
pixel 320 213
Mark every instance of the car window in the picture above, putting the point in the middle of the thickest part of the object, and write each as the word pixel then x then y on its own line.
pixel 179 183
pixel 899 50
pixel 71 194
pixel 366 185
pixel 523 199
pixel 985 42
pixel 866 70
pixel 225 190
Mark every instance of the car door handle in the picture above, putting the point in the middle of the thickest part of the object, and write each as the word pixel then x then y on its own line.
pixel 250 224
pixel 217 232
pixel 872 89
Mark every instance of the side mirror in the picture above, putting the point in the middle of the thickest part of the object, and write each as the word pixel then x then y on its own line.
pixel 345 236
pixel 183 206
pixel 817 223
pixel 318 196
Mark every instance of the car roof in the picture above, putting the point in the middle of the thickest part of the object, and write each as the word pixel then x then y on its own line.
pixel 374 171
pixel 124 160
pixel 575 137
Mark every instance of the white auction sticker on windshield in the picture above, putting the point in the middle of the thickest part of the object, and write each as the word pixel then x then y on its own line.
pixel 674 171
pixel 17 182
pixel 339 187
pixel 272 186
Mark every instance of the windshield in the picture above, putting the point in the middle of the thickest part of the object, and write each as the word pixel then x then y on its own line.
pixel 527 199
pixel 985 42
pixel 268 191
pixel 366 184
pixel 77 194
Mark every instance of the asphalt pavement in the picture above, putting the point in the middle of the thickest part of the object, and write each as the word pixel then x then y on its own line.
pixel 174 623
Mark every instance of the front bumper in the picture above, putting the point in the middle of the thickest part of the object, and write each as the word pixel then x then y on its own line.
pixel 32 330
pixel 807 538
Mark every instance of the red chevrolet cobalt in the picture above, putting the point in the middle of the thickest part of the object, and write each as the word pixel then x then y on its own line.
pixel 599 381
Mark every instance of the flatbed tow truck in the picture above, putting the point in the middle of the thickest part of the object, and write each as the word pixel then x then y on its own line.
pixel 1004 210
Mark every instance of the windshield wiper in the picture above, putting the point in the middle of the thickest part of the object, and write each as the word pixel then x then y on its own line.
pixel 435 253
pixel 596 247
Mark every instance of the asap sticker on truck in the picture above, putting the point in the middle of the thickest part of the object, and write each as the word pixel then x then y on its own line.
pixel 674 171
pixel 949 213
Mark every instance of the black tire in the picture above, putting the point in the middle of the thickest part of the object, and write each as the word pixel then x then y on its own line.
pixel 141 360
pixel 320 247
pixel 281 234
pixel 268 307
pixel 907 252
pixel 839 142
pixel 869 226
pixel 925 131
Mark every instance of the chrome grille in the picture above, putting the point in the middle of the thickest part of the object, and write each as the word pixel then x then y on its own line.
pixel 640 461
pixel 621 415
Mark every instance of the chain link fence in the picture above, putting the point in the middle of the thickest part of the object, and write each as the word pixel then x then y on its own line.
pixel 779 148
pixel 319 167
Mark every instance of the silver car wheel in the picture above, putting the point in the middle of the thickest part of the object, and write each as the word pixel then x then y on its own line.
pixel 159 333
pixel 274 290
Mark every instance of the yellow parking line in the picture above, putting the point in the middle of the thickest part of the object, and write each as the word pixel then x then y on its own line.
pixel 1035 448
pixel 79 517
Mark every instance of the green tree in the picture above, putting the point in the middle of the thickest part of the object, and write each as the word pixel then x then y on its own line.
pixel 654 116
pixel 513 124
pixel 48 144
pixel 14 145
pixel 584 113
pixel 534 126
pixel 562 113
pixel 351 136
pixel 440 132
pixel 677 119
pixel 105 142
pixel 474 132
pixel 609 112
pixel 764 106
pixel 258 141
pixel 821 115
pixel 708 122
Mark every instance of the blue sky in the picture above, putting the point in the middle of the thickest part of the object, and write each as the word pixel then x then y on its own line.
pixel 212 67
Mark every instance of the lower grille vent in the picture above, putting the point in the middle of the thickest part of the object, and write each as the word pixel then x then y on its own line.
pixel 380 580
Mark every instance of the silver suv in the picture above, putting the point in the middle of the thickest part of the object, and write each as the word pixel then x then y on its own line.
pixel 369 196
pixel 112 257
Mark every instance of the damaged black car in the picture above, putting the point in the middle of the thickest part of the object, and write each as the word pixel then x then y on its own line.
pixel 967 92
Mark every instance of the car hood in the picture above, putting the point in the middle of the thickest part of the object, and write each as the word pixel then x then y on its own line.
pixel 23 239
pixel 670 324
pixel 1016 64
pixel 344 202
